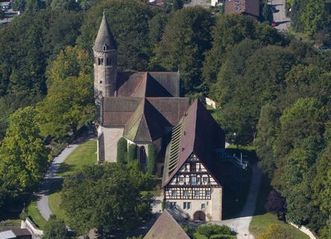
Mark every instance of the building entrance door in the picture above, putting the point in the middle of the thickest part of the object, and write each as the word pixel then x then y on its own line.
pixel 199 216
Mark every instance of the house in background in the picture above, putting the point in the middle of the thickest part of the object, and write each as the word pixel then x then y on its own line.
pixel 244 7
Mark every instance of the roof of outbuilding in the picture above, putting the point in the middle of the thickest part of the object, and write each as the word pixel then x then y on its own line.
pixel 166 227
pixel 197 133
pixel 104 40
pixel 250 7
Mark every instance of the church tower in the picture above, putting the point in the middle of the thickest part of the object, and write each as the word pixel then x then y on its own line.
pixel 105 62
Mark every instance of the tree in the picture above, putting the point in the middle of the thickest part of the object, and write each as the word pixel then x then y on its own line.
pixel 267 129
pixel 55 229
pixel 212 231
pixel 23 156
pixel 230 30
pixel 70 101
pixel 267 14
pixel 132 152
pixel 186 38
pixel 122 151
pixel 151 159
pixel 106 197
pixel 298 144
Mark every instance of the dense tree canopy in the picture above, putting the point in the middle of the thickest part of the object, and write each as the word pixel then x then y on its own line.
pixel 186 38
pixel 107 197
pixel 23 156
pixel 69 103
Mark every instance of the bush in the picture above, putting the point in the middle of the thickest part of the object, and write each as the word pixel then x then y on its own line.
pixel 213 232
pixel 132 152
pixel 151 160
pixel 121 150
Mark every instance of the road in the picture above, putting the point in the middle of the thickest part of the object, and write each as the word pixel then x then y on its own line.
pixel 240 224
pixel 49 179
pixel 280 15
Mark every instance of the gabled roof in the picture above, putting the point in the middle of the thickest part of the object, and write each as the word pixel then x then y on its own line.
pixel 250 7
pixel 197 133
pixel 166 227
pixel 104 40
pixel 146 124
pixel 149 84
pixel 117 111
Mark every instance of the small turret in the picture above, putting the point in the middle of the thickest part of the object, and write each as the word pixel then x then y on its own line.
pixel 105 61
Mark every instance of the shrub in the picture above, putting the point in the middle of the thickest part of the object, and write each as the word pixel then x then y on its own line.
pixel 151 160
pixel 132 152
pixel 121 150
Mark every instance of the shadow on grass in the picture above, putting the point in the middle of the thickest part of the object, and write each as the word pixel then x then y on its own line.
pixel 65 168
pixel 51 185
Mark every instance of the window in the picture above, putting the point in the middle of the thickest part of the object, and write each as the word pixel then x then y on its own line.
pixel 196 193
pixel 172 204
pixel 193 167
pixel 173 193
pixel 186 205
pixel 203 206
pixel 205 179
pixel 181 179
pixel 208 193
pixel 101 82
pixel 193 180
pixel 108 61
pixel 185 193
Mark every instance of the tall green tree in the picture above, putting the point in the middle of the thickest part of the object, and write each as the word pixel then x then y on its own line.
pixel 186 38
pixel 23 156
pixel 69 103
pixel 107 198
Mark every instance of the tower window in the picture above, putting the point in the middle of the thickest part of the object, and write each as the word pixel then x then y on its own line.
pixel 100 61
pixel 101 82
pixel 108 61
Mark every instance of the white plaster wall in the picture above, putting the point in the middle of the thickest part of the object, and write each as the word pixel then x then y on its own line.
pixel 111 137
pixel 213 207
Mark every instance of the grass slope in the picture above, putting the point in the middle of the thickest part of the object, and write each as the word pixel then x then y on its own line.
pixel 35 215
pixel 260 224
pixel 83 155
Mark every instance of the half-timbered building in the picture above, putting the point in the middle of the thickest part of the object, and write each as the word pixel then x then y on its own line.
pixel 190 182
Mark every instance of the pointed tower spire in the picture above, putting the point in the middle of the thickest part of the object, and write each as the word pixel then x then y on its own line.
pixel 105 40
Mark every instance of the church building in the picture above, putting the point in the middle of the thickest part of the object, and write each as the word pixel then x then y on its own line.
pixel 146 108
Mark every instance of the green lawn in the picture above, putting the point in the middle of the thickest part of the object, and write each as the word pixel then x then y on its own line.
pixel 262 220
pixel 34 213
pixel 260 223
pixel 54 202
pixel 83 155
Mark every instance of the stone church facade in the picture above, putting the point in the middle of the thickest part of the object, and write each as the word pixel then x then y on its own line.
pixel 146 108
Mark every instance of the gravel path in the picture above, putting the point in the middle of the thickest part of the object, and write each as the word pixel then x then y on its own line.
pixel 49 179
pixel 241 223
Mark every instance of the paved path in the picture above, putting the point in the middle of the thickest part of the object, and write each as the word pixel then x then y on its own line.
pixel 241 223
pixel 49 178
pixel 280 14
